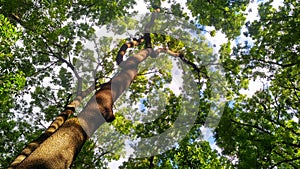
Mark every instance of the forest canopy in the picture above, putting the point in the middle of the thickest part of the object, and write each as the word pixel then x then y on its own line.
pixel 219 90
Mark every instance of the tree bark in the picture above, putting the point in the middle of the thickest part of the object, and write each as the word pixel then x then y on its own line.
pixel 60 149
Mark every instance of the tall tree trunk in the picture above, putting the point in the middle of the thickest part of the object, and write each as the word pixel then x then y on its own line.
pixel 60 149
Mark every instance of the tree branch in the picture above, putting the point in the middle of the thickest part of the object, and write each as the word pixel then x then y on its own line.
pixel 181 56
pixel 249 125
pixel 60 58
pixel 285 161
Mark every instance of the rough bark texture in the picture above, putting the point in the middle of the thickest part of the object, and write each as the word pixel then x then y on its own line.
pixel 59 150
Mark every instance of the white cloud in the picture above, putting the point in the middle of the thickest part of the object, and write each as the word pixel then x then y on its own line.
pixel 177 80
pixel 209 136
pixel 277 3
pixel 129 151
pixel 116 164
pixel 253 14
pixel 296 119
pixel 140 6
pixel 254 86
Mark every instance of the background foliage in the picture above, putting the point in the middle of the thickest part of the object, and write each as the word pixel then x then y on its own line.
pixel 42 56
